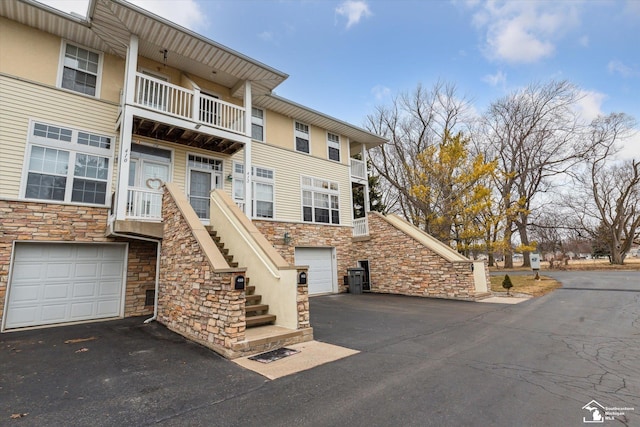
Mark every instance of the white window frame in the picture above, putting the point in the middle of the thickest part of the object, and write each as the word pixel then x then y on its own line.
pixel 258 121
pixel 217 175
pixel 255 179
pixel 73 148
pixel 238 182
pixel 61 66
pixel 333 144
pixel 301 134
pixel 319 186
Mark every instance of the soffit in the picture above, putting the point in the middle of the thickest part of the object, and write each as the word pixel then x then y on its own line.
pixel 306 115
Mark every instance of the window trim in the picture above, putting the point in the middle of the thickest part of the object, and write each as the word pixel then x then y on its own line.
pixel 267 181
pixel 73 148
pixel 314 189
pixel 330 145
pixel 63 49
pixel 214 173
pixel 295 136
pixel 262 123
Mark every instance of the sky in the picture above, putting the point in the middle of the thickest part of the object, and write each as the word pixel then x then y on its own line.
pixel 346 57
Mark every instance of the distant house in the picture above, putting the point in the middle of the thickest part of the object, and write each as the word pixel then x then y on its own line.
pixel 148 170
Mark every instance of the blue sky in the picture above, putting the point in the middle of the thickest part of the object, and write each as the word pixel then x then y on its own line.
pixel 345 58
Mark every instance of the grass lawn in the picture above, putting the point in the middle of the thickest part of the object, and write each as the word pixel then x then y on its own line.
pixel 525 284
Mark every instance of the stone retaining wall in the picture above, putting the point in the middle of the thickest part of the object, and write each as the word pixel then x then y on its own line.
pixel 194 300
pixel 399 264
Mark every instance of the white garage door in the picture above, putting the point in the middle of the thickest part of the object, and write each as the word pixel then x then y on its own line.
pixel 56 283
pixel 320 265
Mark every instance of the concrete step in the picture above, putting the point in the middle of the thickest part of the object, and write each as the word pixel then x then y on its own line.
pixel 263 319
pixel 255 308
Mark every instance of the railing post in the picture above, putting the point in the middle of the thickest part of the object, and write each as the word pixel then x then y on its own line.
pixel 196 105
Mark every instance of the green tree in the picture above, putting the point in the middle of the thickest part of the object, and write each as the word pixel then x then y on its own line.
pixel 376 202
pixel 506 283
pixel 454 185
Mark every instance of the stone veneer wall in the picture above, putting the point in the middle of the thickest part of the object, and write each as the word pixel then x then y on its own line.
pixel 36 221
pixel 194 300
pixel 399 264
pixel 311 235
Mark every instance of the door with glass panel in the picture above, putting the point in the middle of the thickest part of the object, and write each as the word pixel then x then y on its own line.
pixel 148 170
pixel 205 174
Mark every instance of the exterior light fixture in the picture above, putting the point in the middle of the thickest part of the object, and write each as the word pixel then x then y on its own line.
pixel 286 239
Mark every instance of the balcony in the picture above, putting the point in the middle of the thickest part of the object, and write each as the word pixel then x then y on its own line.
pixel 202 120
pixel 144 205
pixel 360 227
pixel 358 169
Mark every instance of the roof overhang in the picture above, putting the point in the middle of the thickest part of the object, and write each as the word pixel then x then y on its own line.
pixel 312 117
pixel 110 24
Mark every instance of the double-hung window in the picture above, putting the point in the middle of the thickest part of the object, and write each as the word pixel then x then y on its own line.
pixel 262 187
pixel 257 124
pixel 80 69
pixel 333 145
pixel 302 137
pixel 263 196
pixel 67 165
pixel 320 201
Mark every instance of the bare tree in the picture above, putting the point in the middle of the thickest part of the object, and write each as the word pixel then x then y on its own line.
pixel 414 122
pixel 610 200
pixel 532 132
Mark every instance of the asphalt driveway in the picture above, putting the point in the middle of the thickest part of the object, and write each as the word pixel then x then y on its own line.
pixel 421 362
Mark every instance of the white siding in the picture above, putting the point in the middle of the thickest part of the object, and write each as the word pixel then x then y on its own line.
pixel 289 166
pixel 22 101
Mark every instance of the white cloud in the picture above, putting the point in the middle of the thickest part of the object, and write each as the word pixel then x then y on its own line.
pixel 499 78
pixel 353 10
pixel 523 31
pixel 631 147
pixel 76 6
pixel 584 41
pixel 618 67
pixel 266 36
pixel 590 103
pixel 186 12
pixel 380 92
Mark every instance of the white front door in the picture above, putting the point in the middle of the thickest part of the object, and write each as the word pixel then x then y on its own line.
pixel 149 168
pixel 321 269
pixel 65 282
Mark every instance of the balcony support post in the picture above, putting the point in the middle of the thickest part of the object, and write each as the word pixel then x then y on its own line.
pixel 247 150
pixel 366 180
pixel 124 159
pixel 130 72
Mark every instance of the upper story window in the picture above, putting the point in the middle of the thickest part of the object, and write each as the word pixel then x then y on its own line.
pixel 80 69
pixel 302 137
pixel 333 145
pixel 67 165
pixel 320 201
pixel 257 124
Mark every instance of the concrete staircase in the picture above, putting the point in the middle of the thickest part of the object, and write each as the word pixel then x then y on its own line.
pixel 256 313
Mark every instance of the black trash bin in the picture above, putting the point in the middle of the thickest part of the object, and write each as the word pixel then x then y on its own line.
pixel 356 277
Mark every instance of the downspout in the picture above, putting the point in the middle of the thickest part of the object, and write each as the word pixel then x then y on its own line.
pixel 157 284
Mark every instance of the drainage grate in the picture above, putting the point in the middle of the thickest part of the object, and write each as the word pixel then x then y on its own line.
pixel 273 355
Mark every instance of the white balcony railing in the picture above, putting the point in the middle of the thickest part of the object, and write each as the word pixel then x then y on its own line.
pixel 167 98
pixel 360 227
pixel 143 204
pixel 358 169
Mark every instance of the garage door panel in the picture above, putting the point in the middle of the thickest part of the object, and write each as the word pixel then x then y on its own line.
pixel 109 289
pixel 104 308
pixel 58 270
pixel 56 291
pixel 84 290
pixel 55 283
pixel 52 313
